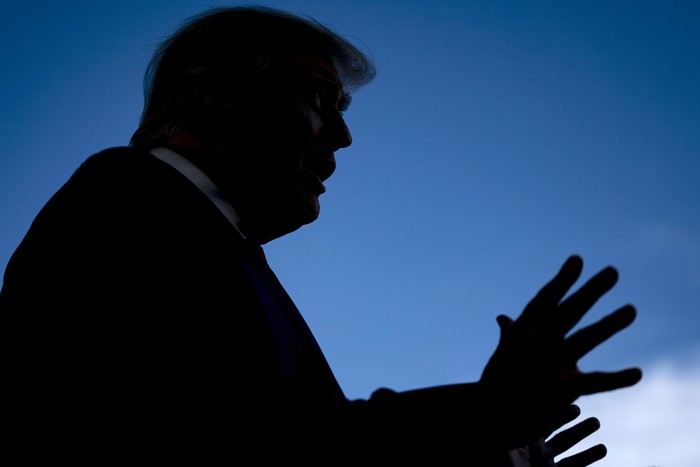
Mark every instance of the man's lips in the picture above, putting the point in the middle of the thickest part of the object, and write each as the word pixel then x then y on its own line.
pixel 315 183
pixel 325 167
pixel 320 172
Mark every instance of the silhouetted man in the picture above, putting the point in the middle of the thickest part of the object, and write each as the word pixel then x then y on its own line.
pixel 144 322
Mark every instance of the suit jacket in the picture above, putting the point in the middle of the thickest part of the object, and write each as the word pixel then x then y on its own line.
pixel 138 320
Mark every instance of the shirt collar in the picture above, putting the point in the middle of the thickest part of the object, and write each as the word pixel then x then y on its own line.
pixel 201 181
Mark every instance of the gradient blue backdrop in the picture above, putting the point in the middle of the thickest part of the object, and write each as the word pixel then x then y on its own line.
pixel 497 139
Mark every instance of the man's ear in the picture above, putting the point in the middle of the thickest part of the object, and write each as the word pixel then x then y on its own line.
pixel 211 101
pixel 203 96
pixel 215 110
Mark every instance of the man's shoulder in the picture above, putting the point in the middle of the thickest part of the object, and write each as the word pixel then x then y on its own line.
pixel 123 165
pixel 117 156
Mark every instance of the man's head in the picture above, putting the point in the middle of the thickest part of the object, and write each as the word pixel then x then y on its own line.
pixel 255 97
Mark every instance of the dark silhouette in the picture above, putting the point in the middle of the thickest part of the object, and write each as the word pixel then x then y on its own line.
pixel 144 324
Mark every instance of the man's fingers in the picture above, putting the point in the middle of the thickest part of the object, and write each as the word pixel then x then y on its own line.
pixel 547 299
pixel 586 339
pixel 584 458
pixel 595 382
pixel 577 304
pixel 569 414
pixel 566 439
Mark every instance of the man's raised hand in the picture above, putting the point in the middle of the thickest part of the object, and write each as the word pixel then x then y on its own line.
pixel 533 374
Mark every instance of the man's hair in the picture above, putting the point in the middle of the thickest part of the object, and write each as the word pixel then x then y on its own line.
pixel 221 52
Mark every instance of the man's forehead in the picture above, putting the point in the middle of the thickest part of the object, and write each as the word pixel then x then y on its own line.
pixel 304 68
pixel 318 65
pixel 311 66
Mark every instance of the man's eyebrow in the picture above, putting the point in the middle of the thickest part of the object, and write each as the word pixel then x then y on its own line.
pixel 334 85
pixel 344 101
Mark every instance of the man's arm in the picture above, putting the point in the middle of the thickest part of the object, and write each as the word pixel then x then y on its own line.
pixel 529 381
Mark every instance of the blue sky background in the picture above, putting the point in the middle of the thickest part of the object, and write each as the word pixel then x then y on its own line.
pixel 497 139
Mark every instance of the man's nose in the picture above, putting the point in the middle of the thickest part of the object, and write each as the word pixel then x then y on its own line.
pixel 341 134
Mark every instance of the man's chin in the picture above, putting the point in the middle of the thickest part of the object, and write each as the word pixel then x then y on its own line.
pixel 310 209
pixel 310 216
pixel 293 219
